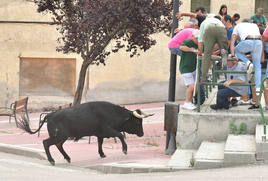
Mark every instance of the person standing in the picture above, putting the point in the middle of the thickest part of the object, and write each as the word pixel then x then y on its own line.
pixel 227 21
pixel 188 68
pixel 259 18
pixel 223 11
pixel 250 37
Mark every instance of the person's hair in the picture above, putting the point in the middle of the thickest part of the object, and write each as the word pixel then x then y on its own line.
pixel 217 17
pixel 236 15
pixel 190 24
pixel 260 10
pixel 227 18
pixel 220 11
pixel 194 21
pixel 202 9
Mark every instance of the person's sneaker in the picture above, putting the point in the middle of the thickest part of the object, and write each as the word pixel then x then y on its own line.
pixel 254 107
pixel 257 91
pixel 234 102
pixel 265 108
pixel 189 106
pixel 243 102
pixel 252 102
pixel 250 69
pixel 215 107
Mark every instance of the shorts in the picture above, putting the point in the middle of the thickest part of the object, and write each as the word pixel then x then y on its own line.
pixel 176 51
pixel 189 78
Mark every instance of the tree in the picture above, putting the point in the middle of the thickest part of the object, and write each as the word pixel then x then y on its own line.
pixel 88 26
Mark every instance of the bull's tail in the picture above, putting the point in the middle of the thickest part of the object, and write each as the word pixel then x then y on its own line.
pixel 23 124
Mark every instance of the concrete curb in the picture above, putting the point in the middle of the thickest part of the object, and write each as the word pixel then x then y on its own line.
pixel 127 168
pixel 23 151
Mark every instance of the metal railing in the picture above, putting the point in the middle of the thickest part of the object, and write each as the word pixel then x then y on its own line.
pixel 261 109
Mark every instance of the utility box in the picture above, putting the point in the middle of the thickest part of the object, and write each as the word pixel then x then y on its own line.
pixel 171 116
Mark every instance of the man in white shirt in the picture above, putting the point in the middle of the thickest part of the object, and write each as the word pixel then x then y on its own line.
pixel 250 37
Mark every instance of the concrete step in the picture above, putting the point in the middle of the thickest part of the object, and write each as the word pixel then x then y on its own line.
pixel 239 150
pixel 209 155
pixel 182 159
pixel 261 143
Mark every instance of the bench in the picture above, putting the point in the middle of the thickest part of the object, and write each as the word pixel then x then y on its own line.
pixel 45 113
pixel 18 107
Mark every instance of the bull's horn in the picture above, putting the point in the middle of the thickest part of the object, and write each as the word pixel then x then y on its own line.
pixel 146 115
pixel 137 115
pixel 141 114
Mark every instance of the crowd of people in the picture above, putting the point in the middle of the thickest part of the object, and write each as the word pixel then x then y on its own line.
pixel 209 35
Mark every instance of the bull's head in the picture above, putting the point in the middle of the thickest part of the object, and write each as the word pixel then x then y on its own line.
pixel 134 122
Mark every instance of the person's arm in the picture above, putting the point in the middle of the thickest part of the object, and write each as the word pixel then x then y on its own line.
pixel 200 48
pixel 229 82
pixel 263 40
pixel 232 46
pixel 264 21
pixel 179 15
pixel 188 49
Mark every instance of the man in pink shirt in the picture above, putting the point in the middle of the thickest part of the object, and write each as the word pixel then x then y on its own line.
pixel 175 42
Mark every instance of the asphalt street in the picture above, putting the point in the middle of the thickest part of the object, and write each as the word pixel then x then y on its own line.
pixel 13 167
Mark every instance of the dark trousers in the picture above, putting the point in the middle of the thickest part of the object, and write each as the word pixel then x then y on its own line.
pixel 223 94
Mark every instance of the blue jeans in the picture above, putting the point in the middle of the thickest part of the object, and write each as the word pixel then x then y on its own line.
pixel 176 51
pixel 223 94
pixel 255 48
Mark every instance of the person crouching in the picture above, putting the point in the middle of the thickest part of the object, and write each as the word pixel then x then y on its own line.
pixel 228 90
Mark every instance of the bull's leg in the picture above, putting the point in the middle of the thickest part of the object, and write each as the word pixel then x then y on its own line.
pixel 47 143
pixel 100 141
pixel 59 146
pixel 110 132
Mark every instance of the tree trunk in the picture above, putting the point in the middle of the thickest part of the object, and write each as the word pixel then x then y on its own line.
pixel 81 83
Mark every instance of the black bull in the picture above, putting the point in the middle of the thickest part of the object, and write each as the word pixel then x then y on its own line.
pixel 100 119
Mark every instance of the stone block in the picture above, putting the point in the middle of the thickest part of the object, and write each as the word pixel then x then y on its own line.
pixel 181 159
pixel 261 144
pixel 240 149
pixel 209 155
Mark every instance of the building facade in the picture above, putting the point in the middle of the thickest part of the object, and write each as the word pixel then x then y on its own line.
pixel 31 66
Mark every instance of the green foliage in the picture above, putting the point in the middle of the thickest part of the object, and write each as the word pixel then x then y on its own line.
pixel 242 130
pixel 192 161
pixel 148 143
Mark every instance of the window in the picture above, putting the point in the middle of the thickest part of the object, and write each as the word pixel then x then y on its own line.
pixel 47 76
pixel 197 3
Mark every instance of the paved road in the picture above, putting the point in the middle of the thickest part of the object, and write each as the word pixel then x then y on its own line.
pixel 13 167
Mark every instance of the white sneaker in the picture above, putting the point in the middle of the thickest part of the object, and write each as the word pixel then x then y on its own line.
pixel 189 106
pixel 257 91
pixel 250 69
pixel 243 102
pixel 265 108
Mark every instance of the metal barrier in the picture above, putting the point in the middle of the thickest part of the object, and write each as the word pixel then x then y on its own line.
pixel 261 109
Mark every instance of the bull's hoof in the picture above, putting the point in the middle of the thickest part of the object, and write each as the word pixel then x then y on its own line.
pixel 52 162
pixel 125 152
pixel 102 156
pixel 68 160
